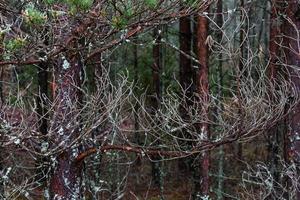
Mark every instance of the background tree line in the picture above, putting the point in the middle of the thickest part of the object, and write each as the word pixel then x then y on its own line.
pixel 149 99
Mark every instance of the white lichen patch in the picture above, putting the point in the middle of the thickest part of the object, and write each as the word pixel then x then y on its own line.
pixel 66 65
pixel 46 194
pixel 66 181
pixel 75 152
pixel 203 133
pixel 58 197
pixel 44 147
pixel 5 176
pixel 205 197
pixel 17 141
pixel 297 136
pixel 6 125
pixel 61 131
pixel 53 161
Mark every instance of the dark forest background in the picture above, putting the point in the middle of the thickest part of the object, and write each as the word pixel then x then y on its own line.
pixel 149 99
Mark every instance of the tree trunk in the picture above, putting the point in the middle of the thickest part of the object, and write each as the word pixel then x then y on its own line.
pixel 275 32
pixel 157 86
pixel 1 101
pixel 242 72
pixel 185 37
pixel 136 107
pixel 66 180
pixel 41 101
pixel 6 82
pixel 272 70
pixel 219 95
pixel 292 34
pixel 185 79
pixel 43 118
pixel 157 68
pixel 203 91
pixel 1 72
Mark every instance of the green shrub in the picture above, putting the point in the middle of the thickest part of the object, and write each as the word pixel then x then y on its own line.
pixel 34 16
pixel 15 44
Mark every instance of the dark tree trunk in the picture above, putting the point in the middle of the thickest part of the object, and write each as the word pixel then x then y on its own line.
pixel 203 91
pixel 66 180
pixel 157 86
pixel 195 158
pixel 219 95
pixel 136 108
pixel 275 32
pixel 157 68
pixel 185 79
pixel 242 72
pixel 43 94
pixel 291 32
pixel 242 37
pixel 43 116
pixel 272 70
pixel 96 67
pixel 1 101
pixel 1 58
pixel 97 70
pixel 185 38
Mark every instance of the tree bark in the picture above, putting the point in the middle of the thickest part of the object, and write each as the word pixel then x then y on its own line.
pixel 42 77
pixel 273 46
pixel 185 37
pixel 41 101
pixel 157 86
pixel 1 101
pixel 242 72
pixel 203 91
pixel 66 180
pixel 185 79
pixel 136 107
pixel 272 73
pixel 219 95
pixel 293 59
pixel 157 67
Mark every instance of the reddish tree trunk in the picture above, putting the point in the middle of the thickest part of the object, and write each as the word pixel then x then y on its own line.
pixel 185 37
pixel 273 46
pixel 203 91
pixel 185 78
pixel 65 183
pixel 220 22
pixel 272 70
pixel 293 58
